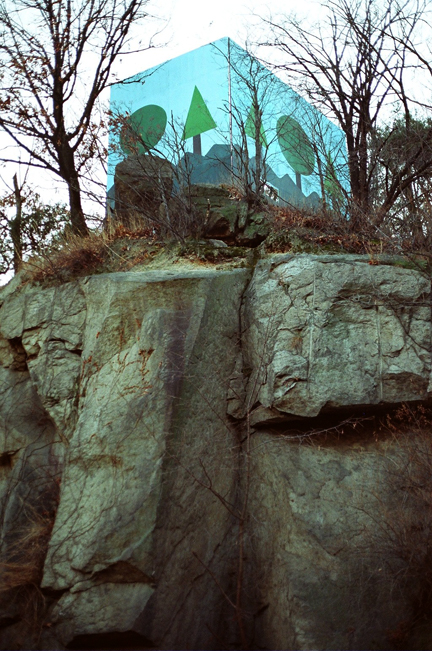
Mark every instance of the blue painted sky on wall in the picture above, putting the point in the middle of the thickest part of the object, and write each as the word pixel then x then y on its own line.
pixel 214 70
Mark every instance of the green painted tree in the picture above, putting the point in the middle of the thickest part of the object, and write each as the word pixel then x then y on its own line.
pixel 296 147
pixel 252 121
pixel 198 121
pixel 143 129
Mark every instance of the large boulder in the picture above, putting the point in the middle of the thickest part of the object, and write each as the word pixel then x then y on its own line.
pixel 142 182
pixel 130 360
pixel 328 332
pixel 227 218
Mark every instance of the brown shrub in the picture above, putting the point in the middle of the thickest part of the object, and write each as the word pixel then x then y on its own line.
pixel 71 257
pixel 24 550
pixel 21 564
pixel 295 230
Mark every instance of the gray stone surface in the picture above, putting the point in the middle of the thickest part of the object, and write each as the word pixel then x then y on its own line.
pixel 126 368
pixel 323 511
pixel 109 607
pixel 127 405
pixel 142 182
pixel 332 331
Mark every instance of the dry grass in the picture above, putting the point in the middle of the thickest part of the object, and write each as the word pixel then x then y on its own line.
pixel 72 256
pixel 301 231
pixel 21 567
pixel 122 246
pixel 22 563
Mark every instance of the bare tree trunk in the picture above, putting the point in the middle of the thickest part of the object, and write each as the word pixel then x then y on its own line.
pixel 79 226
pixel 197 145
pixel 70 175
pixel 259 176
pixel 15 227
pixel 321 180
pixel 414 218
pixel 362 154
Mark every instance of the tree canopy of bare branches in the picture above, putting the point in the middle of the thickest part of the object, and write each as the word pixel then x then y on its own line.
pixel 355 66
pixel 56 58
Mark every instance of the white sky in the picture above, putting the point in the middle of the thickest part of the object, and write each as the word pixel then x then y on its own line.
pixel 192 23
pixel 184 25
pixel 189 24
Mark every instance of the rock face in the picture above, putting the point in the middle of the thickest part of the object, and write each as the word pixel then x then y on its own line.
pixel 144 186
pixel 151 429
pixel 329 331
pixel 226 218
pixel 142 183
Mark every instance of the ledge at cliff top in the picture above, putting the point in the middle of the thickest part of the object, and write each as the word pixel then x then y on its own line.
pixel 121 393
pixel 325 331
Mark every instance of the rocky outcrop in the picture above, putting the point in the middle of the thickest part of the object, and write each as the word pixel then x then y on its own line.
pixel 226 217
pixel 332 331
pixel 142 183
pixel 151 435
pixel 144 188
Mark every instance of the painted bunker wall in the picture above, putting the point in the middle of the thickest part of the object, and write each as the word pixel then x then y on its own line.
pixel 201 108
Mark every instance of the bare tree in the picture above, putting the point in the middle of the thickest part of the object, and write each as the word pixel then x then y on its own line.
pixel 252 89
pixel 152 179
pixel 255 87
pixel 16 226
pixel 353 65
pixel 27 225
pixel 404 151
pixel 56 58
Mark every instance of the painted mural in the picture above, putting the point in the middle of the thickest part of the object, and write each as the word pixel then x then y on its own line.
pixel 218 113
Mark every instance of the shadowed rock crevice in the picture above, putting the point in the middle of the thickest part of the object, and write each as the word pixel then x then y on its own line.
pixel 19 355
pixel 7 459
pixel 121 572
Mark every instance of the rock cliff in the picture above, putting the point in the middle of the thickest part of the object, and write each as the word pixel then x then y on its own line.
pixel 195 458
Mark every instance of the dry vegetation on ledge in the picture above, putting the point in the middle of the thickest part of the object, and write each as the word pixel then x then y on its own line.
pixel 139 246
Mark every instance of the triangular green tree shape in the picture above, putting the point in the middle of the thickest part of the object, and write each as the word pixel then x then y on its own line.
pixel 198 120
pixel 250 126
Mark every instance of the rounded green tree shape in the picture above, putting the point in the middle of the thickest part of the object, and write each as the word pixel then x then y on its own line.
pixel 143 129
pixel 250 126
pixel 295 146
